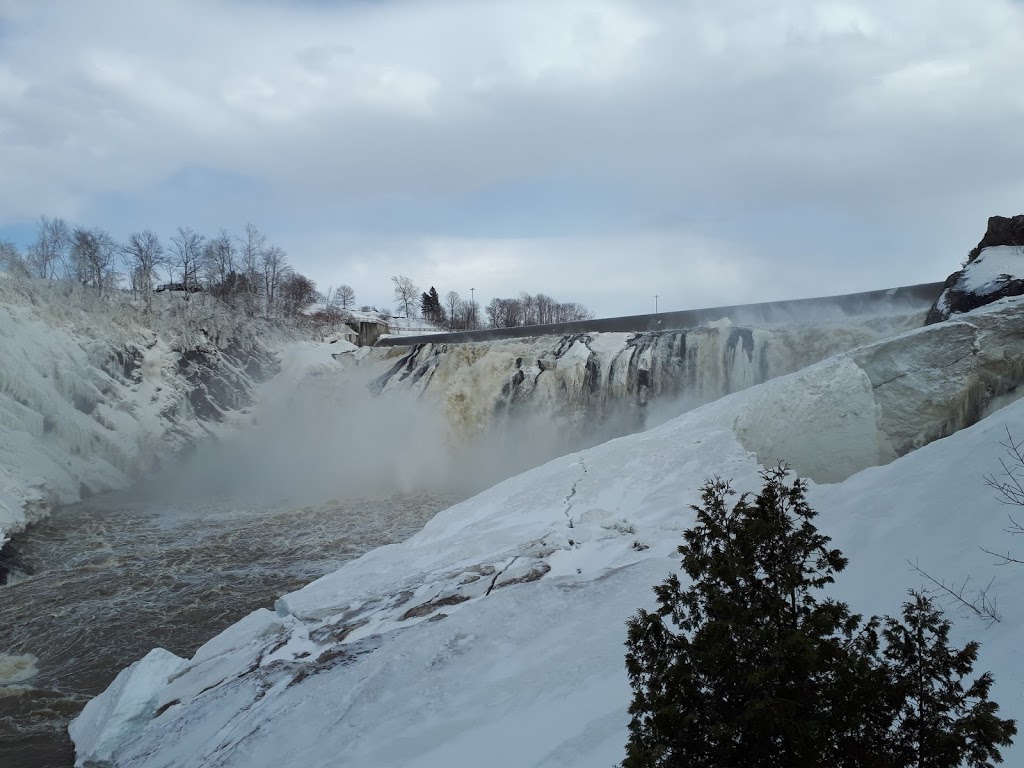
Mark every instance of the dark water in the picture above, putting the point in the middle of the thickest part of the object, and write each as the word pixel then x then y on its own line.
pixel 100 583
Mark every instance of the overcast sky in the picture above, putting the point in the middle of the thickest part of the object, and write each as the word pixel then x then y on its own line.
pixel 709 151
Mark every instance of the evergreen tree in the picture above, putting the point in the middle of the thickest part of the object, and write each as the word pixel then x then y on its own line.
pixel 941 724
pixel 761 672
pixel 748 667
pixel 430 306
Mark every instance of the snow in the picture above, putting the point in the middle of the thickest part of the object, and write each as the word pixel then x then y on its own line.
pixel 495 636
pixel 993 266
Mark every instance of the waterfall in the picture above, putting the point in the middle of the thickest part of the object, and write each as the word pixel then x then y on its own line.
pixel 613 382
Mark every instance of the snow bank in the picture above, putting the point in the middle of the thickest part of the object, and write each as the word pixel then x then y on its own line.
pixel 495 636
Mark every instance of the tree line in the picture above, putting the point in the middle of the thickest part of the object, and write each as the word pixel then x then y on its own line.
pixel 251 275
pixel 248 272
pixel 455 313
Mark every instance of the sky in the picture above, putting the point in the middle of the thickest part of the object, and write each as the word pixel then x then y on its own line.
pixel 709 152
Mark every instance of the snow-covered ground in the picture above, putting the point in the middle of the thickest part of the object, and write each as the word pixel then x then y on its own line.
pixel 495 636
pixel 410 326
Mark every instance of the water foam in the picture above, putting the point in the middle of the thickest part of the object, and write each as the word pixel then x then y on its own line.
pixel 16 668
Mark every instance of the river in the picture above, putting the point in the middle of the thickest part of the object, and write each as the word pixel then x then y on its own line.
pixel 99 583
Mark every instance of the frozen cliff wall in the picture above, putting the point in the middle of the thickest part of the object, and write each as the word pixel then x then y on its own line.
pixel 91 395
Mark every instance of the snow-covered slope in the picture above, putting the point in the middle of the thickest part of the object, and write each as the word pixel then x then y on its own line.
pixel 92 394
pixel 494 637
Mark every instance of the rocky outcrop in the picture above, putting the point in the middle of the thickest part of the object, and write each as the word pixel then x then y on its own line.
pixel 1002 230
pixel 994 270
pixel 221 380
pixel 93 394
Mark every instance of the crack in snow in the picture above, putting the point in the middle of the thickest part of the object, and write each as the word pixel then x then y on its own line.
pixel 498 575
pixel 572 493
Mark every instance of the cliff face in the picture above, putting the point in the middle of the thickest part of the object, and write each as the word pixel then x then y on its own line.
pixel 92 394
pixel 994 270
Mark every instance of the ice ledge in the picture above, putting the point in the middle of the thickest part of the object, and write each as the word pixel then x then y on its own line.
pixel 123 710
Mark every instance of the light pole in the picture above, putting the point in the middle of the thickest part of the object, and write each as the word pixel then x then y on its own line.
pixel 655 303
pixel 472 309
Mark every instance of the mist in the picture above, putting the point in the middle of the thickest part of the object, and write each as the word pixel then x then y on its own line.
pixel 332 439
pixel 328 436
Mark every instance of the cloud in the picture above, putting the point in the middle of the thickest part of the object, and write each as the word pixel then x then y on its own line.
pixel 736 124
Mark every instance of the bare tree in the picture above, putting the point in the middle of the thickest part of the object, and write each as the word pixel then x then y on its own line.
pixel 250 253
pixel 570 312
pixel 93 255
pixel 51 248
pixel 187 255
pixel 329 299
pixel 406 294
pixel 984 606
pixel 529 308
pixel 11 260
pixel 219 263
pixel 144 254
pixel 1010 489
pixel 452 305
pixel 297 293
pixel 545 309
pixel 344 297
pixel 274 264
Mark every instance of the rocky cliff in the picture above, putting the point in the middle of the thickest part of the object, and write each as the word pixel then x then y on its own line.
pixel 92 393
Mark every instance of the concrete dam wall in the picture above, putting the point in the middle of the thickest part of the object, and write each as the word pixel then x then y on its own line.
pixel 905 298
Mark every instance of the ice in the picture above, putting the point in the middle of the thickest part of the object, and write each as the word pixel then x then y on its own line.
pixel 571 385
pixel 116 715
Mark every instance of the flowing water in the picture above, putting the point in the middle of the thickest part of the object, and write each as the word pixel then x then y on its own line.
pixel 100 583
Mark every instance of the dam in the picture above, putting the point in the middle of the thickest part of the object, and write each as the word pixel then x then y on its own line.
pixel 770 312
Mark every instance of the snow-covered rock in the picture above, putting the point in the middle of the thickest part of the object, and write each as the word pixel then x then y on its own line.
pixel 92 393
pixel 495 636
pixel 994 270
pixel 997 273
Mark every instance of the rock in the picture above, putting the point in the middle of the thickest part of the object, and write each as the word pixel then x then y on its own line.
pixel 1002 230
pixel 994 270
